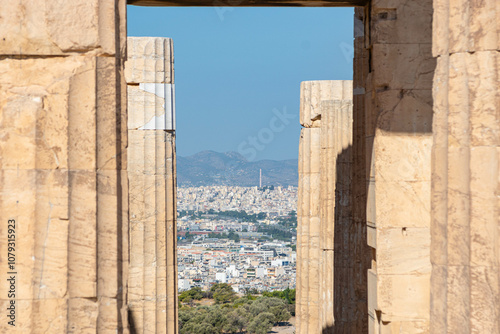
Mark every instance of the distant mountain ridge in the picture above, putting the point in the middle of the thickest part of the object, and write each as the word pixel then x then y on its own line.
pixel 208 168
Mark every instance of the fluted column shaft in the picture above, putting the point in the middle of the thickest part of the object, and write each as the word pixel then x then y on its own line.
pixel 308 214
pixel 308 234
pixel 151 156
pixel 63 165
pixel 324 200
pixel 465 291
pixel 336 213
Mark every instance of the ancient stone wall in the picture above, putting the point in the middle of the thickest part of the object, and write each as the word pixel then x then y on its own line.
pixel 465 292
pixel 324 210
pixel 395 78
pixel 63 165
pixel 149 72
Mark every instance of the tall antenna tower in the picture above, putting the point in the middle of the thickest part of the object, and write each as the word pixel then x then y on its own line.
pixel 260 179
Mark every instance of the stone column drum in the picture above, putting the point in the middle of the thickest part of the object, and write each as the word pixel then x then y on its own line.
pixel 324 201
pixel 465 281
pixel 149 72
pixel 63 165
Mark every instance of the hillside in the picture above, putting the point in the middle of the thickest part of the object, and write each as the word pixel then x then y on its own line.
pixel 209 168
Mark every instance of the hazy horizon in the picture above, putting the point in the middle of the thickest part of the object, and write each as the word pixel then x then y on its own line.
pixel 190 155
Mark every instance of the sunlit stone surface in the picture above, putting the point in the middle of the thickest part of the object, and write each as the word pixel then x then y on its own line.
pixel 149 72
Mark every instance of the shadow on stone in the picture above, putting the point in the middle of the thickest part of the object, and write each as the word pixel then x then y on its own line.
pixel 352 255
pixel 328 330
pixel 131 322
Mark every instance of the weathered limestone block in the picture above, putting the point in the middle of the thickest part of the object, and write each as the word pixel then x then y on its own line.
pixel 403 66
pixel 152 177
pixel 52 27
pixel 465 279
pixel 62 141
pixel 393 22
pixel 67 211
pixel 150 60
pixel 398 202
pixel 312 93
pixel 465 26
pixel 396 85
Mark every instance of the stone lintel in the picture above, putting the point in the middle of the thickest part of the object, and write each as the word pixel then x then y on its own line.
pixel 249 3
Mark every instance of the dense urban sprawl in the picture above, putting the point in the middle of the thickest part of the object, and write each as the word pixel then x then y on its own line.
pixel 243 236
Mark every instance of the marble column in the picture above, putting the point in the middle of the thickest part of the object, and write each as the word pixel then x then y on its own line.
pixel 465 292
pixel 324 198
pixel 63 165
pixel 336 212
pixel 149 72
pixel 308 234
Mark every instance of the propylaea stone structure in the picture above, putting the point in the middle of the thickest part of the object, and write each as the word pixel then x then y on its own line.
pixel 418 241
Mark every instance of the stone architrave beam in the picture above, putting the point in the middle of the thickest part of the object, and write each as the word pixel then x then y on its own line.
pixel 249 3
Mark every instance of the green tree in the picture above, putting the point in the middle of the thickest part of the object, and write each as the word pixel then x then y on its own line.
pixel 198 328
pixel 204 320
pixel 262 323
pixel 275 305
pixel 257 307
pixel 217 318
pixel 223 293
pixel 281 313
pixel 289 295
pixel 185 314
pixel 235 322
pixel 231 315
pixel 195 293
pixel 233 236
pixel 261 215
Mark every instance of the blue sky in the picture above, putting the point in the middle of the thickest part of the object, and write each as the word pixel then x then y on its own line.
pixel 238 71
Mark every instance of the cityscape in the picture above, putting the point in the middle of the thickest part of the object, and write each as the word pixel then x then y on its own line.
pixel 243 236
